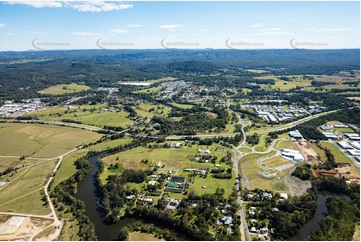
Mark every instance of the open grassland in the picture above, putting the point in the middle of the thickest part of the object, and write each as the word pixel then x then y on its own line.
pixel 139 236
pixel 286 144
pixel 211 184
pixel 13 176
pixel 31 203
pixel 110 144
pixel 67 167
pixel 23 193
pixel 245 150
pixel 13 162
pixel 286 85
pixel 154 90
pixel 262 146
pixel 38 140
pixel 184 106
pixel 172 159
pixel 258 71
pixel 344 130
pixel 250 169
pixel 70 231
pixel 97 115
pixel 64 89
pixel 275 162
pixel 339 156
pixel 151 110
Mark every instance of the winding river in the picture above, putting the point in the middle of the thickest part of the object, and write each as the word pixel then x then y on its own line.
pixel 87 193
pixel 106 232
pixel 320 212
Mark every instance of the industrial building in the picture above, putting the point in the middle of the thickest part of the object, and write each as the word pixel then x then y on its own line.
pixel 293 155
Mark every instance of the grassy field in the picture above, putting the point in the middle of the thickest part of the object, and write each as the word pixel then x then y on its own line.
pixel 211 185
pixel 12 162
pixel 70 231
pixel 305 84
pixel 97 115
pixel 275 162
pixel 67 167
pixel 282 85
pixel 344 130
pixel 139 236
pixel 184 106
pixel 64 89
pixel 245 149
pixel 149 90
pixel 262 146
pixel 110 144
pixel 175 159
pixel 23 194
pixel 38 140
pixel 250 169
pixel 339 156
pixel 151 110
pixel 287 144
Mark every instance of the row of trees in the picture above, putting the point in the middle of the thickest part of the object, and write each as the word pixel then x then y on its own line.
pixel 63 194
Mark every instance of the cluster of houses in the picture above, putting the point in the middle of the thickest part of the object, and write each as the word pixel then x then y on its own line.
pixel 253 210
pixel 176 185
pixel 12 109
pixel 281 113
pixel 170 89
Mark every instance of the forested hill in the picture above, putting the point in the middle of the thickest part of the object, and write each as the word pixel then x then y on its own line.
pixel 286 58
pixel 30 71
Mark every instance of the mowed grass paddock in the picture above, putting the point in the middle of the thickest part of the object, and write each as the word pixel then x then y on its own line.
pixel 41 141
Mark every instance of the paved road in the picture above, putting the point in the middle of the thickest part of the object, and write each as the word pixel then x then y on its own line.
pixel 238 174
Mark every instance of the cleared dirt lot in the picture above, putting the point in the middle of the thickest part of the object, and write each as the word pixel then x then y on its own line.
pixel 22 228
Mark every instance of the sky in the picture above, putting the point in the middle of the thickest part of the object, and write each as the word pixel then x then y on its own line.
pixel 52 25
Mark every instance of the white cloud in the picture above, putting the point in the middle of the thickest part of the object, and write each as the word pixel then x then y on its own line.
pixel 38 4
pixel 119 31
pixel 202 30
pixel 82 6
pixel 97 6
pixel 171 27
pixel 336 29
pixel 2 25
pixel 10 34
pixel 310 29
pixel 85 34
pixel 256 25
pixel 134 26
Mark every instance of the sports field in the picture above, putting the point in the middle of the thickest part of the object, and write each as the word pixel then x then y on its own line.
pixel 41 141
